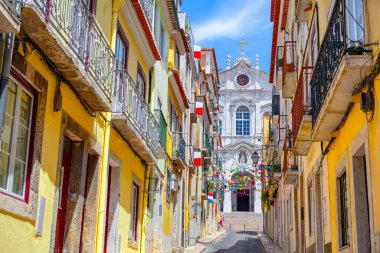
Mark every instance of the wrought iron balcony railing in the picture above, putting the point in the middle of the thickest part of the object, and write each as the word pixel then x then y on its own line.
pixel 302 102
pixel 282 128
pixel 128 101
pixel 162 126
pixel 336 43
pixel 179 147
pixel 207 144
pixel 279 63
pixel 14 6
pixel 78 30
pixel 147 6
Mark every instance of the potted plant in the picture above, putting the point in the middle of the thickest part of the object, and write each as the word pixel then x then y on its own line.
pixel 294 167
pixel 277 167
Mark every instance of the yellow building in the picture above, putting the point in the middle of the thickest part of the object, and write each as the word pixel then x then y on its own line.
pixel 78 99
pixel 325 68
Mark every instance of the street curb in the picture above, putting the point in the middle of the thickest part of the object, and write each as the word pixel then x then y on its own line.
pixel 262 244
pixel 213 240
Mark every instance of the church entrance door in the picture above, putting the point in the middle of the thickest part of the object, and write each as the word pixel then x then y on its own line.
pixel 243 200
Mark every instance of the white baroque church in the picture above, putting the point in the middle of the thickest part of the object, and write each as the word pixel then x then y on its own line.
pixel 245 95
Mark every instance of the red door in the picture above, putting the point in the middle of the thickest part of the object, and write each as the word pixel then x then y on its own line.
pixel 62 202
pixel 107 225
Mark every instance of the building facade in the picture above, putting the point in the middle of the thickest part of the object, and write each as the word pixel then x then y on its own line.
pixel 322 156
pixel 96 150
pixel 245 95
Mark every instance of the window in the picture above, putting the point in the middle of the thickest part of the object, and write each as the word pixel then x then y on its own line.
pixel 134 212
pixel 140 81
pixel 162 42
pixel 311 208
pixel 343 212
pixel 151 190
pixel 168 181
pixel 242 121
pixel 355 22
pixel 220 127
pixel 121 51
pixel 16 144
pixel 177 59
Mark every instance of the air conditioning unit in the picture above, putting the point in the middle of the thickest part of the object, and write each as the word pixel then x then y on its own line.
pixel 173 183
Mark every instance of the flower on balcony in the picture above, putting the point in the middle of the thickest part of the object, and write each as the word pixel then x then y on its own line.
pixel 294 167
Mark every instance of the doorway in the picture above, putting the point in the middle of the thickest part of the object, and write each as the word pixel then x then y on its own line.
pixel 363 230
pixel 63 195
pixel 243 200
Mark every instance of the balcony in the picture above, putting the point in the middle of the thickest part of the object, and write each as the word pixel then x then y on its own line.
pixel 303 8
pixel 275 110
pixel 162 130
pixel 290 170
pixel 147 9
pixel 289 70
pixel 206 108
pixel 340 65
pixel 282 132
pixel 134 121
pixel 207 147
pixel 186 31
pixel 301 113
pixel 69 36
pixel 279 65
pixel 179 90
pixel 179 151
pixel 193 115
pixel 10 16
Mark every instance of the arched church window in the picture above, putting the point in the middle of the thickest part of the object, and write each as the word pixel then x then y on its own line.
pixel 242 121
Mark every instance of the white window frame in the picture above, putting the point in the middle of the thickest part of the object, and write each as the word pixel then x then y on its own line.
pixel 15 127
pixel 242 120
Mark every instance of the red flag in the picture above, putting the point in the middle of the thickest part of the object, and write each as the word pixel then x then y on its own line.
pixel 197 52
pixel 199 108
pixel 197 159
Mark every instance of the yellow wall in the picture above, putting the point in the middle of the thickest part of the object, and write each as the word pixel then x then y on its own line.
pixel 20 235
pixel 131 167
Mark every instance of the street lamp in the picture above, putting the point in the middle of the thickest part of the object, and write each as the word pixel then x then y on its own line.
pixel 255 158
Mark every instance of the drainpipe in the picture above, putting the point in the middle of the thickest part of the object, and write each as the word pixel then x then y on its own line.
pixel 143 210
pixel 7 40
pixel 100 228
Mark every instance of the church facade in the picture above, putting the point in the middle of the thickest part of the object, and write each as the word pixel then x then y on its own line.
pixel 245 95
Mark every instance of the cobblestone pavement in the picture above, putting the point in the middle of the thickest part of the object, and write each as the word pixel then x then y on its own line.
pixel 236 242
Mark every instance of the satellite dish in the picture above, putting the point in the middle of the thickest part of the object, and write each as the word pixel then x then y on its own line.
pixel 196 209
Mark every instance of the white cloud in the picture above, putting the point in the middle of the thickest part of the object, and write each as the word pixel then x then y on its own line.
pixel 233 19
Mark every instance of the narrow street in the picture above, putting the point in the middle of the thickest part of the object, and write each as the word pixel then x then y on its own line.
pixel 236 241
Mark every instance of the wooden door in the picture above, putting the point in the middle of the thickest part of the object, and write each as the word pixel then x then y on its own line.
pixel 63 196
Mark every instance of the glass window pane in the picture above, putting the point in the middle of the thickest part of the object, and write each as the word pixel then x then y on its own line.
pixel 18 177
pixel 238 116
pixel 246 115
pixel 7 135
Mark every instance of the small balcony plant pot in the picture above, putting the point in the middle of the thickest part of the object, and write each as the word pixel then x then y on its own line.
pixel 276 167
pixel 294 167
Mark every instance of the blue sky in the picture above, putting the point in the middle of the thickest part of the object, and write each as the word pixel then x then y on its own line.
pixel 222 24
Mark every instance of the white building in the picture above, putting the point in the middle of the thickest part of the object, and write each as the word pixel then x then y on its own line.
pixel 245 95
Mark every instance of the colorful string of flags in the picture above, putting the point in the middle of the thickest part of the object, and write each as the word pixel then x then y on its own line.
pixel 239 178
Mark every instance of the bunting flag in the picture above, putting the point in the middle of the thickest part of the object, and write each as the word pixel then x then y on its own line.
pixel 210 197
pixel 197 52
pixel 197 159
pixel 199 108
